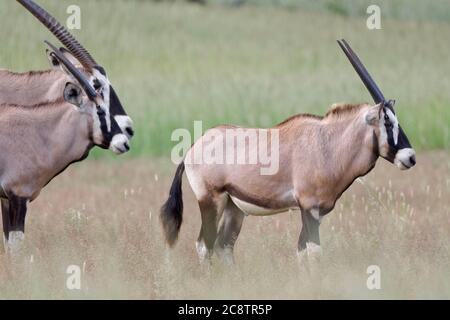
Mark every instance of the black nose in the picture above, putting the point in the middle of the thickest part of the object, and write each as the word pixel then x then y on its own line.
pixel 130 131
pixel 127 146
pixel 412 160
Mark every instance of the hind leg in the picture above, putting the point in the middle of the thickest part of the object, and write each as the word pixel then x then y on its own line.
pixel 229 231
pixel 309 249
pixel 6 222
pixel 211 209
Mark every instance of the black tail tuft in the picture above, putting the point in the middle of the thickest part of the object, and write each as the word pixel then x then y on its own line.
pixel 171 214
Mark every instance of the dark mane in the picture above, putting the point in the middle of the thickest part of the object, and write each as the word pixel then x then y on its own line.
pixel 298 116
pixel 343 109
pixel 337 110
pixel 29 73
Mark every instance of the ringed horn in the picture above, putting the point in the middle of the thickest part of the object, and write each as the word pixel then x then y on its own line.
pixel 61 33
pixel 370 84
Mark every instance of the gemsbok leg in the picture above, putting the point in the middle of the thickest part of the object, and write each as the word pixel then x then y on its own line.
pixel 211 209
pixel 5 220
pixel 309 241
pixel 229 231
pixel 14 211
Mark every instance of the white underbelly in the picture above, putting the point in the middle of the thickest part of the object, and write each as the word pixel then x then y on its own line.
pixel 253 210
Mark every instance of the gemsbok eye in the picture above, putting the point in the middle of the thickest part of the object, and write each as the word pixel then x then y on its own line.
pixel 97 85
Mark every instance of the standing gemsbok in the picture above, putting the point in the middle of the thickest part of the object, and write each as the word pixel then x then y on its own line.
pixel 36 87
pixel 37 143
pixel 319 158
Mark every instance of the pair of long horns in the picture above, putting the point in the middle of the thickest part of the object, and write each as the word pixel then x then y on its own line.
pixel 61 33
pixel 370 84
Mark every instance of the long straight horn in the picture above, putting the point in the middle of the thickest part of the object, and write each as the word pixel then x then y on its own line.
pixel 61 33
pixel 90 91
pixel 375 92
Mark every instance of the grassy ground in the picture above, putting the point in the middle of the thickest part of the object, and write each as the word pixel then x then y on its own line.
pixel 437 10
pixel 256 65
pixel 396 220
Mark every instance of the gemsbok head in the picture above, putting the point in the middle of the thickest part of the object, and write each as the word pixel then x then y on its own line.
pixel 35 87
pixel 393 143
pixel 41 141
pixel 318 158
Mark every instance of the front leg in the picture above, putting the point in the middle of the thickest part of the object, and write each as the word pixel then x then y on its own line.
pixel 309 241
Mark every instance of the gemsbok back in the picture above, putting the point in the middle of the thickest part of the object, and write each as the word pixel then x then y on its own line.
pixel 319 158
pixel 41 141
pixel 38 87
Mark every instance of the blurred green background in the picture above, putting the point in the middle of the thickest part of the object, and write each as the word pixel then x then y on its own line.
pixel 251 63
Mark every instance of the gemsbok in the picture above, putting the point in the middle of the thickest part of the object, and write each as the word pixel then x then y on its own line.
pixel 41 141
pixel 38 87
pixel 319 158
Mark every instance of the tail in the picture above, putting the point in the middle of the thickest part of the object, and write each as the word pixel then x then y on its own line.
pixel 171 214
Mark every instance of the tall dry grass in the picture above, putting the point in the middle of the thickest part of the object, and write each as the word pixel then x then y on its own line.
pixel 104 216
pixel 257 65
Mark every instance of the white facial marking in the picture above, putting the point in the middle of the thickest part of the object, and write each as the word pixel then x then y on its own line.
pixel 403 158
pixel 119 144
pixel 124 122
pixel 106 88
pixel 395 128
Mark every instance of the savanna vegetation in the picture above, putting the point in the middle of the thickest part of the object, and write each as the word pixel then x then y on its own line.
pixel 173 62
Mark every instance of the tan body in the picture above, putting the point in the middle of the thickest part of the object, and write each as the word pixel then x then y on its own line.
pixel 50 119
pixel 315 168
pixel 38 144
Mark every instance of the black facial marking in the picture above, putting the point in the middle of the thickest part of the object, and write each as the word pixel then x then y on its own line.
pixel 402 139
pixel 101 70
pixel 115 106
pixel 130 131
pixel 107 136
pixel 389 130
pixel 97 84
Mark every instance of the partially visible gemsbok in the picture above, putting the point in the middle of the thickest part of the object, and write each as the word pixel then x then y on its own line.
pixel 38 143
pixel 38 87
pixel 319 157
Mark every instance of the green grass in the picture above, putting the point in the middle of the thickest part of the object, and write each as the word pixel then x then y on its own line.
pixel 436 10
pixel 175 63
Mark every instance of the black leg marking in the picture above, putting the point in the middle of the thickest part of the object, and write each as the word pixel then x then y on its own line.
pixel 229 231
pixel 6 218
pixel 208 231
pixel 14 210
pixel 310 230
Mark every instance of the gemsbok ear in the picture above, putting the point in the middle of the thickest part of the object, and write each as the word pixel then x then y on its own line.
pixel 72 94
pixel 58 66
pixel 53 61
pixel 373 115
